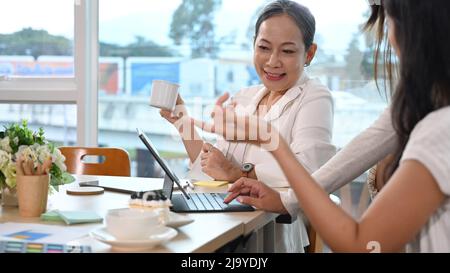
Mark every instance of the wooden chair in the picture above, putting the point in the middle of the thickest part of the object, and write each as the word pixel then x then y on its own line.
pixel 368 192
pixel 116 161
pixel 315 242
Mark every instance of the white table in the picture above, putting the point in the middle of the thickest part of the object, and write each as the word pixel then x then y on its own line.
pixel 208 232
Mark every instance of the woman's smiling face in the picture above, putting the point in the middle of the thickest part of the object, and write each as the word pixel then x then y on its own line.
pixel 279 55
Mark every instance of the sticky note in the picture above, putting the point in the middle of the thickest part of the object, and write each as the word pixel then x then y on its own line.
pixel 78 217
pixel 211 184
pixel 71 217
pixel 51 215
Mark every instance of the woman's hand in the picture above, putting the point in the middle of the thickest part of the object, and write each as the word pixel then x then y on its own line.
pixel 179 118
pixel 234 127
pixel 215 164
pixel 257 194
pixel 179 112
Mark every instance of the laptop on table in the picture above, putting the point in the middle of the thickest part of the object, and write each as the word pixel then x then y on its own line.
pixel 190 202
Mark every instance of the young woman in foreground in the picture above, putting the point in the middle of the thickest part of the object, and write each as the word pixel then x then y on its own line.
pixel 413 209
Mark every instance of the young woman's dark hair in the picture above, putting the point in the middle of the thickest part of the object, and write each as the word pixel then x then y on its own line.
pixel 422 34
pixel 300 14
pixel 376 23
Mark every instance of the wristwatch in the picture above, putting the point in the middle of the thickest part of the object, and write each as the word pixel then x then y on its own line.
pixel 246 168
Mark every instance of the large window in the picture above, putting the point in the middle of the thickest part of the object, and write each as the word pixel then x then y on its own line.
pixel 32 30
pixel 141 41
pixel 48 66
pixel 50 58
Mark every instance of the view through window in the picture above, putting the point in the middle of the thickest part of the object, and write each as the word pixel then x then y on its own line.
pixel 36 41
pixel 58 120
pixel 36 46
pixel 206 47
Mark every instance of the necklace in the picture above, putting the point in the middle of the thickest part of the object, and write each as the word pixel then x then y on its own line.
pixel 228 150
pixel 264 105
pixel 234 149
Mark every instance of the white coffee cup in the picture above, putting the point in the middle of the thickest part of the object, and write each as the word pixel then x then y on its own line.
pixel 164 94
pixel 131 224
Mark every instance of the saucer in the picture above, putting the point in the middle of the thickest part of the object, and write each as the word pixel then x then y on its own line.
pixel 160 235
pixel 178 220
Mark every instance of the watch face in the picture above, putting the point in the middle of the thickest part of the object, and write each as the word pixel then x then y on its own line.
pixel 247 167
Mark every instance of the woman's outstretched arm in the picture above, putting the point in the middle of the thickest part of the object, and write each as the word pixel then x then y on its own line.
pixel 393 219
pixel 397 214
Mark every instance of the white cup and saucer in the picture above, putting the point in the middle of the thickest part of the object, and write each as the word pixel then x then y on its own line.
pixel 133 229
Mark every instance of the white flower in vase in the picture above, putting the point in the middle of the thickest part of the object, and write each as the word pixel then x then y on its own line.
pixel 4 144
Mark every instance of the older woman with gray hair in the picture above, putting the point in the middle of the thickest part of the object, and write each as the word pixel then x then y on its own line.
pixel 300 108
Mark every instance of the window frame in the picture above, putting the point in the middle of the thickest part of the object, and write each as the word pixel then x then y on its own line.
pixel 81 89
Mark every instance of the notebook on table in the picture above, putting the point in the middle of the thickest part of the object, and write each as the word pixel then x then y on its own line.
pixel 192 202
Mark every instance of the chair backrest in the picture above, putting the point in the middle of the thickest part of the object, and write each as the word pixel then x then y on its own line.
pixel 116 161
pixel 315 242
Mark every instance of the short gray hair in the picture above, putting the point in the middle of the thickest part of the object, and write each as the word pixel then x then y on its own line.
pixel 300 14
